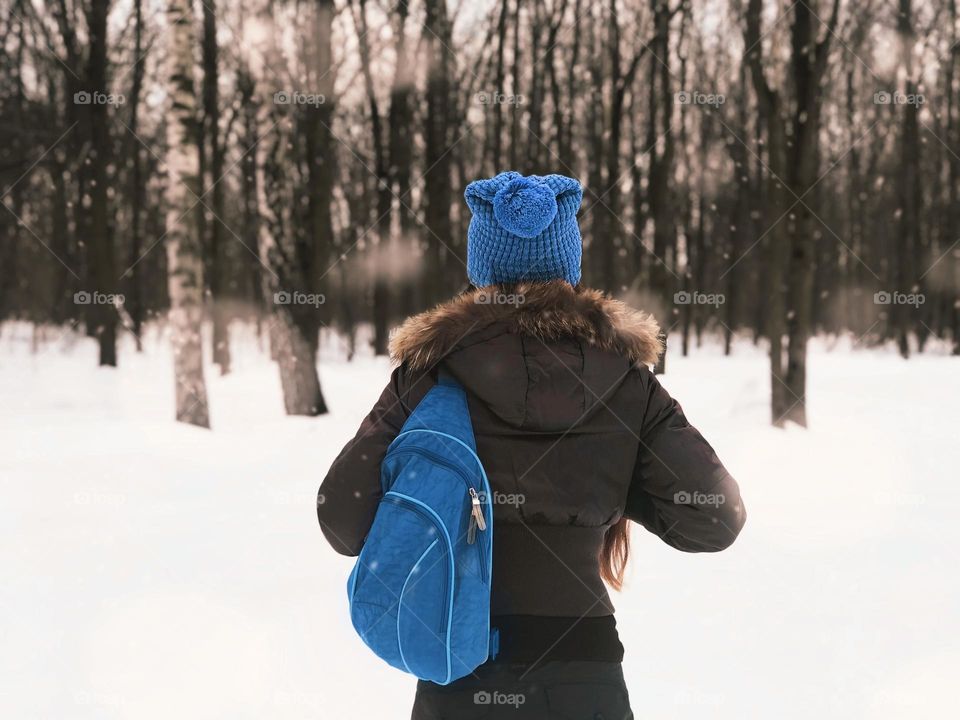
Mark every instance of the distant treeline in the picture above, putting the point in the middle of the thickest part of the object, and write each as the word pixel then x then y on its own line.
pixel 771 169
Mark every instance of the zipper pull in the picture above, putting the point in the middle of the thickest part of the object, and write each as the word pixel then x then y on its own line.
pixel 477 511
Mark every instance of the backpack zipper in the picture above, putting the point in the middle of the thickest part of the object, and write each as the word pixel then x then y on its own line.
pixel 476 517
pixel 439 459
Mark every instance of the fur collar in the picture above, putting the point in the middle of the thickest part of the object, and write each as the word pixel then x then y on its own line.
pixel 549 311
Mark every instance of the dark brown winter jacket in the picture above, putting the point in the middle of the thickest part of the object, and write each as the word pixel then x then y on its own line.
pixel 574 432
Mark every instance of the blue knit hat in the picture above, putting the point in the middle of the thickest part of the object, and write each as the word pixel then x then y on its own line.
pixel 523 228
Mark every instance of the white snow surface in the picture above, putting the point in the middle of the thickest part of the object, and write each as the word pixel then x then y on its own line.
pixel 151 570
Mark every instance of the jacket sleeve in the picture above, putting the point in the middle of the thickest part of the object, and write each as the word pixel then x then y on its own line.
pixel 349 495
pixel 680 490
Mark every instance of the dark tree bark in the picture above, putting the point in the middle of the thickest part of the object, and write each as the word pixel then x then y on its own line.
pixel 495 139
pixel 213 152
pixel 909 235
pixel 400 120
pixel 952 232
pixel 853 269
pixel 385 252
pixel 10 230
pixel 436 135
pixel 808 66
pixel 567 154
pixel 134 297
pixel 662 203
pixel 249 106
pixel 556 93
pixel 594 141
pixel 638 198
pixel 294 254
pixel 775 238
pixel 321 158
pixel 102 260
pixel 515 109
pixel 742 230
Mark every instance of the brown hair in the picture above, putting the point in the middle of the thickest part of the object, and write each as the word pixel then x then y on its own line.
pixel 615 553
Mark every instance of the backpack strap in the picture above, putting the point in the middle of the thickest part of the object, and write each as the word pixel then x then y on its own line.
pixel 445 378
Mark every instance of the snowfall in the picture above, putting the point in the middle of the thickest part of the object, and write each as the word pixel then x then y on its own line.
pixel 150 569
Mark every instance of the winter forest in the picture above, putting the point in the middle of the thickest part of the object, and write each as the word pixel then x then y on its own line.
pixel 216 213
pixel 758 169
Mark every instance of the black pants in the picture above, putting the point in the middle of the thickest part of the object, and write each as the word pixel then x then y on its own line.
pixel 561 689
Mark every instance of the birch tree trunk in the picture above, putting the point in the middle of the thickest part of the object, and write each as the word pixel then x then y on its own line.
pixel 184 260
pixel 290 267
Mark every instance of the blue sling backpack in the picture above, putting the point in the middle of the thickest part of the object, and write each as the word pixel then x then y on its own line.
pixel 420 590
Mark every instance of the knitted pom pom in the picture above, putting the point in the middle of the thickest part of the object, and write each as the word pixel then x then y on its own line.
pixel 525 207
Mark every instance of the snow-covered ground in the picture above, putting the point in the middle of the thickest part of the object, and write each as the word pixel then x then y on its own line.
pixel 153 570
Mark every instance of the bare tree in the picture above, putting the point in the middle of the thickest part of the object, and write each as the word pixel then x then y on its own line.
pixel 134 300
pixel 385 253
pixel 909 239
pixel 436 136
pixel 184 258
pixel 211 157
pixel 400 150
pixel 793 154
pixel 292 248
pixel 953 172
pixel 99 233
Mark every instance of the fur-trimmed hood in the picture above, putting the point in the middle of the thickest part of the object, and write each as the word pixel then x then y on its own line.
pixel 546 311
